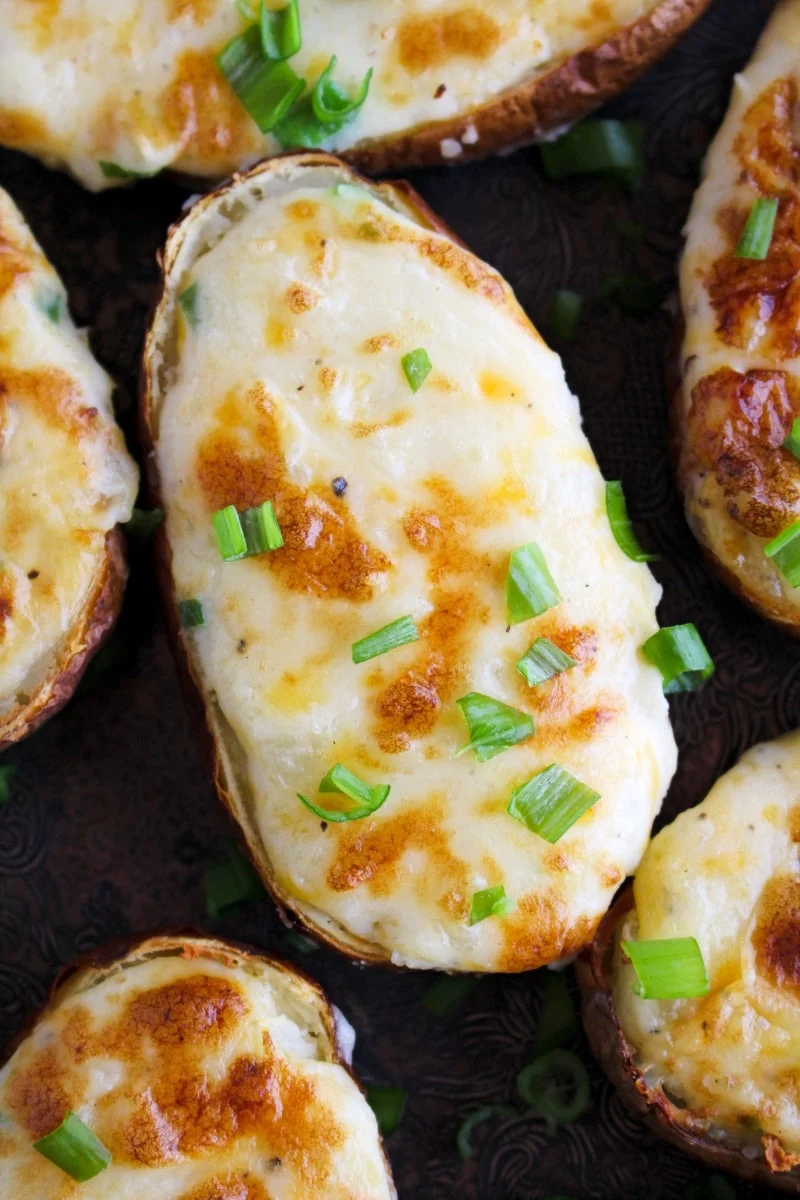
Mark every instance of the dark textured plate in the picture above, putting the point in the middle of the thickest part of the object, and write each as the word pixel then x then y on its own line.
pixel 113 821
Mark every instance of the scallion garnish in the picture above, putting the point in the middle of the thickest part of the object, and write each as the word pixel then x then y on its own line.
pixel 550 802
pixel 565 314
pixel 785 550
pixel 261 529
pixel 7 774
pixel 680 656
pixel 298 941
pixel 416 367
pixel 596 147
pixel 542 661
pixel 490 1112
pixel 230 883
pixel 266 88
pixel 757 233
pixel 143 523
pixel 447 994
pixel 73 1148
pixel 621 527
pixel 230 535
pixel 396 633
pixel 530 588
pixel 668 968
pixel 49 302
pixel 792 442
pixel 388 1104
pixel 188 301
pixel 493 726
pixel 191 614
pixel 322 112
pixel 368 797
pixel 491 902
pixel 112 170
pixel 281 36
pixel 556 1086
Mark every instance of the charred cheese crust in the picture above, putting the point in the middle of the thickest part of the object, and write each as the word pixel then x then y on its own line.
pixel 66 483
pixel 307 298
pixel 740 386
pixel 137 82
pixel 208 1071
pixel 719 1073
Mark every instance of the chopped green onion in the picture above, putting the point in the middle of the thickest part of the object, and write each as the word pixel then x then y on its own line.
pixel 667 968
pixel 188 303
pixel 261 529
pixel 388 1104
pixel 491 902
pixel 7 774
pixel 298 941
pixel 792 442
pixel 191 613
pixel 680 656
pixel 230 883
pixel 530 588
pixel 396 633
pixel 785 549
pixel 417 367
pixel 621 527
pixel 112 170
pixel 143 523
pixel 634 294
pixel 550 802
pixel 558 1021
pixel 489 1112
pixel 49 302
pixel 249 9
pixel 542 661
pixel 322 112
pixel 757 233
pixel 230 535
pixel 281 36
pixel 266 88
pixel 369 798
pixel 447 994
pixel 556 1086
pixel 598 147
pixel 493 726
pixel 330 103
pixel 73 1148
pixel 354 192
pixel 565 314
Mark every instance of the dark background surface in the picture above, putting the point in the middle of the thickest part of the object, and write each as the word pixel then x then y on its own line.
pixel 113 821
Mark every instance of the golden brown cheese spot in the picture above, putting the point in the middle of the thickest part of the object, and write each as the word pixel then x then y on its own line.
pixel 228 1187
pixel 13 264
pixel 21 129
pixel 537 932
pixel 582 726
pixel 301 299
pixel 197 11
pixel 497 387
pixel 326 377
pixel 794 823
pixel 381 341
pixel 396 419
pixel 323 551
pixel 777 1158
pixel 201 1010
pixel 6 603
pixel 736 426
pixel 53 395
pixel 201 112
pixel 776 937
pixel 431 41
pixel 279 334
pixel 597 19
pixel 42 1091
pixel 302 210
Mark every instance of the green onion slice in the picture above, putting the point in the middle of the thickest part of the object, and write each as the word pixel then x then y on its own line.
pixel 792 442
pixel 298 941
pixel 757 233
pixel 396 633
pixel 112 170
pixel 668 968
pixel 550 802
pixel 542 661
pixel 261 529
pixel 565 314
pixel 267 89
pixel 191 613
pixel 369 798
pixel 558 1020
pixel 556 1086
pixel 785 550
pixel 490 1112
pixel 491 902
pixel 75 1149
pixel 417 367
pixel 7 774
pixel 493 726
pixel 680 656
pixel 447 994
pixel 530 588
pixel 230 883
pixel 281 36
pixel 49 302
pixel 621 526
pixel 322 112
pixel 388 1104
pixel 597 147
pixel 230 535
pixel 188 302
pixel 143 523
pixel 330 103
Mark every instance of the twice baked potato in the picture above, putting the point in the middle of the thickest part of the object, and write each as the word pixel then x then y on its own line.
pixel 328 362
pixel 67 483
pixel 716 1074
pixel 139 88
pixel 186 1068
pixel 739 393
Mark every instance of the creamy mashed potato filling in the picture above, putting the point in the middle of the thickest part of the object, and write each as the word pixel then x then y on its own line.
pixel 135 82
pixel 305 298
pixel 206 1077
pixel 65 478
pixel 727 874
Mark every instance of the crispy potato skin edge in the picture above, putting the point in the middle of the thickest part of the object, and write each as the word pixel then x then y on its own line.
pixel 617 1058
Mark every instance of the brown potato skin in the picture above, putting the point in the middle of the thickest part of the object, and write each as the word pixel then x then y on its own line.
pixel 97 621
pixel 618 1059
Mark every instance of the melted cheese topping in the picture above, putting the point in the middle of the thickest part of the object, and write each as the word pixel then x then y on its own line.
pixel 741 353
pixel 307 300
pixel 206 1080
pixel 727 874
pixel 137 84
pixel 66 478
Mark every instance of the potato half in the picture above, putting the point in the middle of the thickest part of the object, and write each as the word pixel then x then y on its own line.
pixel 716 1075
pixel 67 482
pixel 274 372
pixel 135 85
pixel 207 1071
pixel 740 381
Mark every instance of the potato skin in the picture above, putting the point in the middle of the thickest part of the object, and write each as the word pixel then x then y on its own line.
pixel 617 1057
